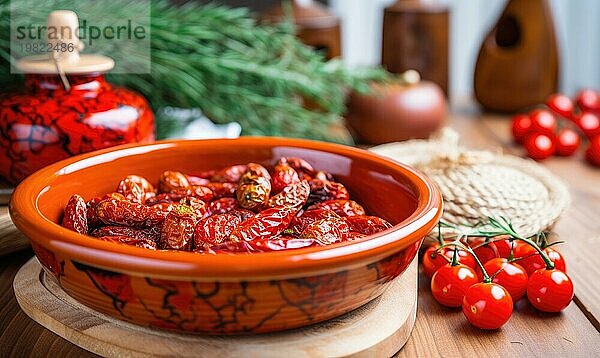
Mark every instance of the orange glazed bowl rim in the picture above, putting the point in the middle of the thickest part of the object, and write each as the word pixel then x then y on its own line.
pixel 39 229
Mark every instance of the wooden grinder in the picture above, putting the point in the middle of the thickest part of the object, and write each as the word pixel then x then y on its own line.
pixel 316 26
pixel 415 36
pixel 518 64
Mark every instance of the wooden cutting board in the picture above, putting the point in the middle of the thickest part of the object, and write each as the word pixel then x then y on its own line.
pixel 11 239
pixel 5 191
pixel 379 328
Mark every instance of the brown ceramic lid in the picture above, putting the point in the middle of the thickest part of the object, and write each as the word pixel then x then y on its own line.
pixel 428 6
pixel 307 14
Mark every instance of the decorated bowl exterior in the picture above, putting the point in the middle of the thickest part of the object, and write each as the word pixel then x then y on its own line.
pixel 226 294
pixel 47 123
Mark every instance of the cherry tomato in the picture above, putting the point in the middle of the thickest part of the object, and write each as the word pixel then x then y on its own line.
pixel 588 99
pixel 539 146
pixel 592 154
pixel 567 142
pixel 483 251
pixel 531 260
pixel 560 104
pixel 509 275
pixel 433 259
pixel 504 246
pixel 550 290
pixel 449 284
pixel 487 305
pixel 521 127
pixel 542 122
pixel 589 124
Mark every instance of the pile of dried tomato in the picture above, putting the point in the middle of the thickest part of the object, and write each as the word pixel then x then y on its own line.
pixel 241 208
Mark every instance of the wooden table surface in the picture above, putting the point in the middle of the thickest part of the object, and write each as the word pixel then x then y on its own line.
pixel 438 331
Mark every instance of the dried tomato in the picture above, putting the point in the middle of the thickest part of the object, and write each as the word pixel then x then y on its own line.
pixel 151 234
pixel 254 187
pixel 196 180
pixel 136 188
pixel 340 207
pixel 222 206
pixel 92 219
pixel 242 214
pixel 114 195
pixel 177 230
pixel 299 223
pixel 222 190
pixel 301 166
pixel 255 170
pixel 327 231
pixel 75 215
pixel 214 230
pixel 240 208
pixel 132 241
pixel 282 242
pixel 163 207
pixel 267 223
pixel 171 180
pixel 198 206
pixel 163 198
pixel 228 247
pixel 278 243
pixel 283 175
pixel 123 212
pixel 294 195
pixel 323 190
pixel 230 174
pixel 200 192
pixel 323 175
pixel 253 192
pixel 367 225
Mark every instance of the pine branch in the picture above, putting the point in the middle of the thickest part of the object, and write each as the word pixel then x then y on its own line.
pixel 220 60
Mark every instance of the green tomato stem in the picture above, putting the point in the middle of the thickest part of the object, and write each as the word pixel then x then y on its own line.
pixel 457 243
pixel 510 231
pixel 455 257
pixel 549 263
pixel 439 236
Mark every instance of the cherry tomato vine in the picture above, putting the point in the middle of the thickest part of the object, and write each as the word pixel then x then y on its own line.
pixel 502 267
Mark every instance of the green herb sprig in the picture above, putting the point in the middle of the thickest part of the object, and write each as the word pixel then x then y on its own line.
pixel 220 60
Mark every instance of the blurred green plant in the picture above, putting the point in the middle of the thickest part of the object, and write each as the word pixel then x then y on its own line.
pixel 220 60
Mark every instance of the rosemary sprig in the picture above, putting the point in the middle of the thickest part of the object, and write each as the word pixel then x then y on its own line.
pixel 220 60
pixel 501 227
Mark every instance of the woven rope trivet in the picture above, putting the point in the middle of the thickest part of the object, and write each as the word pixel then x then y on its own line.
pixel 478 184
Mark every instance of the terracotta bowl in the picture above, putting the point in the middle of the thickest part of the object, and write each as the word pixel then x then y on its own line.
pixel 226 294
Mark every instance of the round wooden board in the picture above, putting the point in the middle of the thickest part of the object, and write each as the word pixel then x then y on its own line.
pixel 11 239
pixel 380 328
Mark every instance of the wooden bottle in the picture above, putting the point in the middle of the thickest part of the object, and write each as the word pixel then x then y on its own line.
pixel 518 61
pixel 316 26
pixel 415 36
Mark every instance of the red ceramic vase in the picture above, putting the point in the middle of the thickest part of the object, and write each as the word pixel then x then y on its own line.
pixel 47 123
